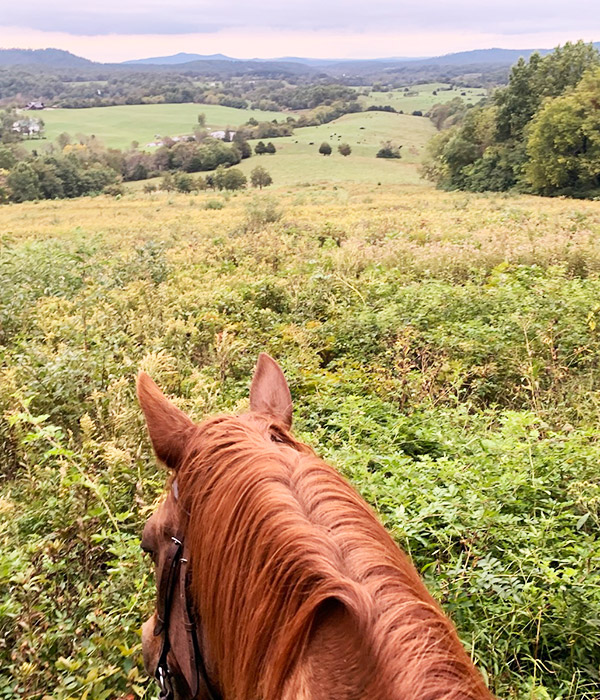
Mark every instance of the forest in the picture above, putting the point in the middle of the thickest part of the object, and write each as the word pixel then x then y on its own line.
pixel 539 134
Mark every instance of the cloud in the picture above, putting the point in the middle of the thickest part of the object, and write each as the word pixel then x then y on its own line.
pixel 511 17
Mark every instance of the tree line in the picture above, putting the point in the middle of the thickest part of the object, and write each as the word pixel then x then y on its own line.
pixel 74 168
pixel 539 134
pixel 103 87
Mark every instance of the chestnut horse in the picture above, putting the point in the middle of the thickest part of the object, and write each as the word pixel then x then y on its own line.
pixel 275 579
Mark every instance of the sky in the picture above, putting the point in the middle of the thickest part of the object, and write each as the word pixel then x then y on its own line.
pixel 118 30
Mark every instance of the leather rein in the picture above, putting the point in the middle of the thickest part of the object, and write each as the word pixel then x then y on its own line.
pixel 174 569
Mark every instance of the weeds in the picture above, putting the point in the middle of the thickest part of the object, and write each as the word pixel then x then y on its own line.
pixel 442 351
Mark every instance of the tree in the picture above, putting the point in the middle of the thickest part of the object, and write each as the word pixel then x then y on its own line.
pixel 217 178
pixel 167 183
pixel 530 82
pixel 7 158
pixel 243 147
pixel 234 179
pixel 388 150
pixel 270 148
pixel 260 177
pixel 183 182
pixel 202 120
pixel 23 183
pixel 260 148
pixel 63 140
pixel 564 141
pixel 325 149
pixel 344 149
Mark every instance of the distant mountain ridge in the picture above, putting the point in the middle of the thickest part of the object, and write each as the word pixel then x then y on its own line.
pixel 178 58
pixel 58 58
pixel 493 56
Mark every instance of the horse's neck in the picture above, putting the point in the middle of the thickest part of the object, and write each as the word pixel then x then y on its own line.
pixel 334 665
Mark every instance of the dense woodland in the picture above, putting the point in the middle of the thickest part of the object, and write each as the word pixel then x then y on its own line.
pixel 539 134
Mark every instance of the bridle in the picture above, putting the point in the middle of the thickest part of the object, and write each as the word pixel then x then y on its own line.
pixel 175 569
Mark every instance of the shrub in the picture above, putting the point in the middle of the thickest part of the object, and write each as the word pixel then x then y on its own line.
pixel 116 190
pixel 389 150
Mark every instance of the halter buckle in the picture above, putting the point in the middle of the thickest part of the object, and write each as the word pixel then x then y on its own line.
pixel 164 683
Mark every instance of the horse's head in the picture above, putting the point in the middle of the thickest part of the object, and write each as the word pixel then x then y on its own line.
pixel 174 649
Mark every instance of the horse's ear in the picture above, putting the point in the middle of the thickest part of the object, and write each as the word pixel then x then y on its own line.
pixel 168 427
pixel 269 392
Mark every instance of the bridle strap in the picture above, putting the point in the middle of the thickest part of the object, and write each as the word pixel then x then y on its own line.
pixel 166 585
pixel 173 569
pixel 163 609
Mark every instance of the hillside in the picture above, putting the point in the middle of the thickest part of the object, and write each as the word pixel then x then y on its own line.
pixel 53 58
pixel 442 351
pixel 297 159
pixel 117 127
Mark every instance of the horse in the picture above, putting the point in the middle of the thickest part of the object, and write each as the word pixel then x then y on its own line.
pixel 275 579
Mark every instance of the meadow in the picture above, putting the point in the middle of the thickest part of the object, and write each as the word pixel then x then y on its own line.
pixel 442 351
pixel 117 127
pixel 422 97
pixel 298 160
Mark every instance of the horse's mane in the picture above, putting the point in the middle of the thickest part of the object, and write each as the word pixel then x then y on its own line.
pixel 276 534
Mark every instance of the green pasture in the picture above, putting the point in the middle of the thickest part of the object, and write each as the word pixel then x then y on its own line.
pixel 117 127
pixel 424 99
pixel 298 159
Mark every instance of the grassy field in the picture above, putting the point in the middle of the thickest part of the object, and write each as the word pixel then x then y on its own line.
pixel 425 99
pixel 117 127
pixel 442 350
pixel 298 159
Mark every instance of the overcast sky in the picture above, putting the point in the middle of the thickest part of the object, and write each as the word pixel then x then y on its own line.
pixel 115 30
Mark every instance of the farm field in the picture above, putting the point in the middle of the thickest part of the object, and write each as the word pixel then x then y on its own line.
pixel 443 350
pixel 425 99
pixel 117 127
pixel 298 159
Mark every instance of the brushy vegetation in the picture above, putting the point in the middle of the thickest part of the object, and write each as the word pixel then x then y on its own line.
pixel 442 349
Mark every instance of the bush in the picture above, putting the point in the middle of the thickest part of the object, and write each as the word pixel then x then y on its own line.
pixel 116 190
pixel 388 150
pixel 325 149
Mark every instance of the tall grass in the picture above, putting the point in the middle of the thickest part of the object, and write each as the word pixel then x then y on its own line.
pixel 442 349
